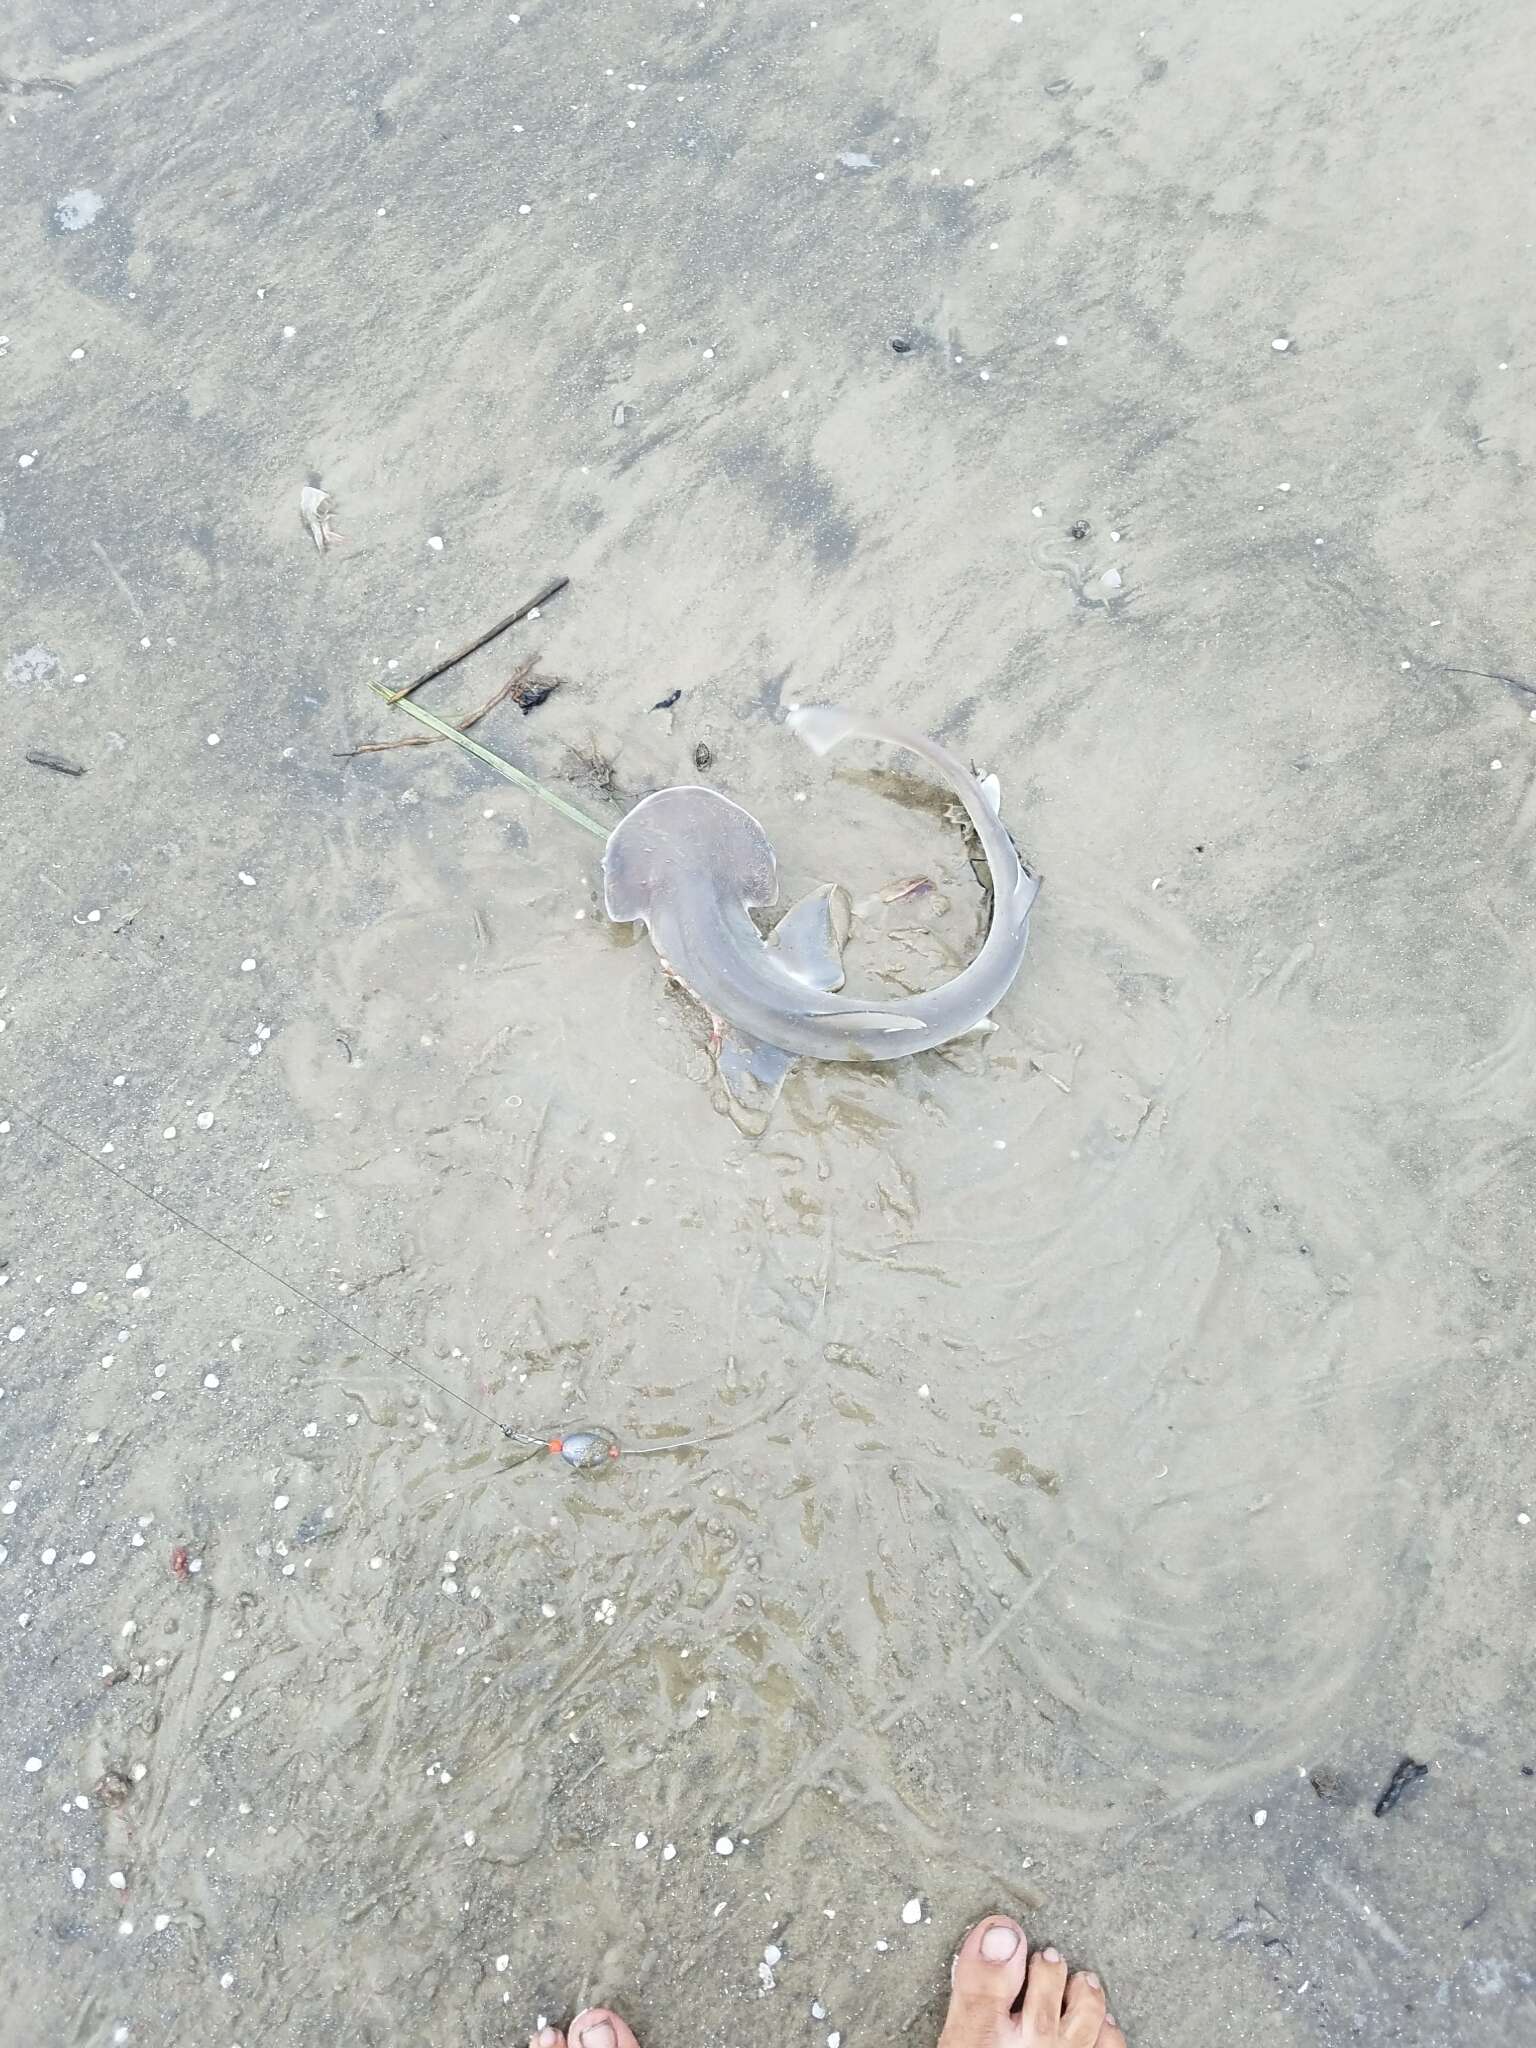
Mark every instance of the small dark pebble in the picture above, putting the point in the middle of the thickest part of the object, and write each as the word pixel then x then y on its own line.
pixel 1079 529
pixel 113 1789
pixel 702 757
pixel 1407 1773
pixel 1528 1770
pixel 529 696
pixel 666 703
pixel 900 346
pixel 56 762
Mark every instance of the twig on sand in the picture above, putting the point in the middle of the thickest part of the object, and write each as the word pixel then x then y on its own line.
pixel 56 762
pixel 117 578
pixel 1492 675
pixel 461 739
pixel 513 687
pixel 596 764
pixel 453 660
pixel 24 85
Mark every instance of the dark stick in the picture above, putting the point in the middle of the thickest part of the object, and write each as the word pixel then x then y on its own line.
pixel 56 762
pixel 1493 675
pixel 394 696
pixel 1407 1773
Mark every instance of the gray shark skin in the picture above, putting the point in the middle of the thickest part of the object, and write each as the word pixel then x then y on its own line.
pixel 692 866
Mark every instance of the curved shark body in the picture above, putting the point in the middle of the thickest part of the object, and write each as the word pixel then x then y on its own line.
pixel 693 866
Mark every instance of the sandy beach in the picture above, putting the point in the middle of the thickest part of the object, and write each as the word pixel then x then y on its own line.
pixel 1105 1449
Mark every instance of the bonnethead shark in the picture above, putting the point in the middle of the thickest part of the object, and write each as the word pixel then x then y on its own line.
pixel 693 866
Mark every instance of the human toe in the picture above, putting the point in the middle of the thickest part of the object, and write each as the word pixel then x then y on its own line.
pixel 1082 2012
pixel 988 1975
pixel 600 2028
pixel 1044 1991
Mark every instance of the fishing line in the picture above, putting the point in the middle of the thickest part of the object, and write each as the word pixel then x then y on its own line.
pixel 583 1449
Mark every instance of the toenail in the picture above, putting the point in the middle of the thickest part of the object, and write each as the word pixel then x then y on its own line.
pixel 547 2037
pixel 599 2035
pixel 1051 1955
pixel 997 1945
pixel 1088 1978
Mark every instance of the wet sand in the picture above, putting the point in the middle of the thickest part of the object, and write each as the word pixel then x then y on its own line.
pixel 1118 1433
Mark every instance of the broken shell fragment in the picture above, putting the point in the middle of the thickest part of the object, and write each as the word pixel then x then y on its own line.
pixel 315 509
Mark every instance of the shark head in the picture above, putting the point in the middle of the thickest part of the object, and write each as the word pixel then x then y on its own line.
pixel 671 839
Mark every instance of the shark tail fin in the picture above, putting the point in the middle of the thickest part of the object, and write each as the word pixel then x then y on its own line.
pixel 821 726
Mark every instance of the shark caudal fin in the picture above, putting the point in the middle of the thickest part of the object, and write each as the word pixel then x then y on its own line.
pixel 821 726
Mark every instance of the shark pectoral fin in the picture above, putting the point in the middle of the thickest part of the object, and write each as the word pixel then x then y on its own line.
pixel 752 1074
pixel 809 939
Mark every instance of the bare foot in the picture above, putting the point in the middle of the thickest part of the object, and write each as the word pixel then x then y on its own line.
pixel 1003 1997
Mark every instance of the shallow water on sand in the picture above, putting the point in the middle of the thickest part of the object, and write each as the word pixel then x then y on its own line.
pixel 1100 1450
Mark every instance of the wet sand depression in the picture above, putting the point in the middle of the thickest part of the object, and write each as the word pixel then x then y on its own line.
pixel 1116 1431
